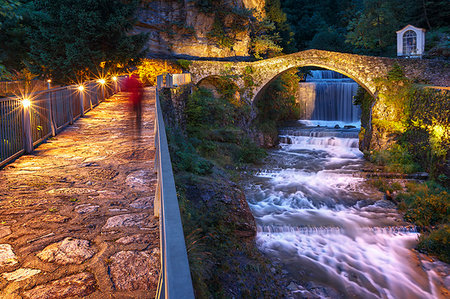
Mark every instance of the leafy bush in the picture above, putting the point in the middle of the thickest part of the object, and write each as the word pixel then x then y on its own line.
pixel 426 204
pixel 279 102
pixel 250 152
pixel 436 243
pixel 395 159
pixel 184 156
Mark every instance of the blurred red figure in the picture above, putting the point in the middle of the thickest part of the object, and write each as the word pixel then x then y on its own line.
pixel 134 86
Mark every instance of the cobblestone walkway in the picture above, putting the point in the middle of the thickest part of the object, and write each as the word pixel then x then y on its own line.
pixel 76 216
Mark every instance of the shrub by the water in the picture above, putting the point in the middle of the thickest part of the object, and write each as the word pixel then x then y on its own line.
pixel 436 243
pixel 428 206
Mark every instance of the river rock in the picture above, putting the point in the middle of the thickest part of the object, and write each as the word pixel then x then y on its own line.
pixel 20 274
pixel 78 285
pixel 143 203
pixel 68 251
pixel 134 270
pixel 125 220
pixel 4 231
pixel 7 256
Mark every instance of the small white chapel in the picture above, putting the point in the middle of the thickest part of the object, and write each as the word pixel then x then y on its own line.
pixel 411 42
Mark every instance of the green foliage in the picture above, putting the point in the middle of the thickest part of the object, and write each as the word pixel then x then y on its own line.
pixel 428 129
pixel 184 64
pixel 437 42
pixel 250 152
pixel 219 138
pixel 265 40
pixel 74 39
pixel 184 156
pixel 14 22
pixel 365 101
pixel 360 26
pixel 385 185
pixel 395 159
pixel 436 243
pixel 426 204
pixel 278 103
pixel 373 26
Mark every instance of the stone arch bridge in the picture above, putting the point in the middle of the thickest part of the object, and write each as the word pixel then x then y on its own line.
pixel 363 69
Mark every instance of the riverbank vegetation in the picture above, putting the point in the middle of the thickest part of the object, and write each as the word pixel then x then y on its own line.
pixel 210 147
pixel 415 136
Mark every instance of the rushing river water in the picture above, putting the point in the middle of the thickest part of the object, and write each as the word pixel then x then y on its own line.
pixel 331 232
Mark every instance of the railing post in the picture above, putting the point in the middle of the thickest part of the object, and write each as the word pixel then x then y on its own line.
pixel 70 110
pixel 82 102
pixel 157 202
pixel 27 138
pixel 50 111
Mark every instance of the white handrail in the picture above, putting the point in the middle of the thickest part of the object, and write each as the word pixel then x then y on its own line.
pixel 175 278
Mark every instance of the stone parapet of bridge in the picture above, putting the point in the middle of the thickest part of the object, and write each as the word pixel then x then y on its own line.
pixel 363 69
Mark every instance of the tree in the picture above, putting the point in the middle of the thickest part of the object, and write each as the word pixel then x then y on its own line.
pixel 7 13
pixel 13 37
pixel 374 26
pixel 73 39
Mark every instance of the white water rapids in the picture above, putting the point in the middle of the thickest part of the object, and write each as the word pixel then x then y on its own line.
pixel 333 234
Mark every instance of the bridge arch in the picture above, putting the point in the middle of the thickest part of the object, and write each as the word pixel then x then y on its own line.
pixel 372 91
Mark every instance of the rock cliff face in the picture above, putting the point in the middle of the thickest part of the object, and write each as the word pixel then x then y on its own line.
pixel 180 28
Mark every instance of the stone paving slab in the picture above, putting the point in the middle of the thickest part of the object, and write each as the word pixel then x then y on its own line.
pixel 76 216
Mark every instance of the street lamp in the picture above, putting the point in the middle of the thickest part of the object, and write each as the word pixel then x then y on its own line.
pixel 26 102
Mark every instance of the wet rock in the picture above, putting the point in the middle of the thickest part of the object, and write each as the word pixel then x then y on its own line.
pixel 125 220
pixel 349 127
pixel 143 203
pixel 134 270
pixel 77 285
pixel 86 209
pixel 20 274
pixel 68 251
pixel 7 256
pixel 292 287
pixel 337 127
pixel 4 231
pixel 322 291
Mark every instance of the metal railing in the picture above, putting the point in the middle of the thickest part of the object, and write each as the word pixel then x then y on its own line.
pixel 172 80
pixel 175 277
pixel 24 125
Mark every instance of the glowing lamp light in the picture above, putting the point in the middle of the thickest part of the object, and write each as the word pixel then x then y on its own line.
pixel 101 81
pixel 26 103
pixel 114 78
pixel 80 88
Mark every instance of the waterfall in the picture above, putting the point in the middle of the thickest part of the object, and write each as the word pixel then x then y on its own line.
pixel 328 95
